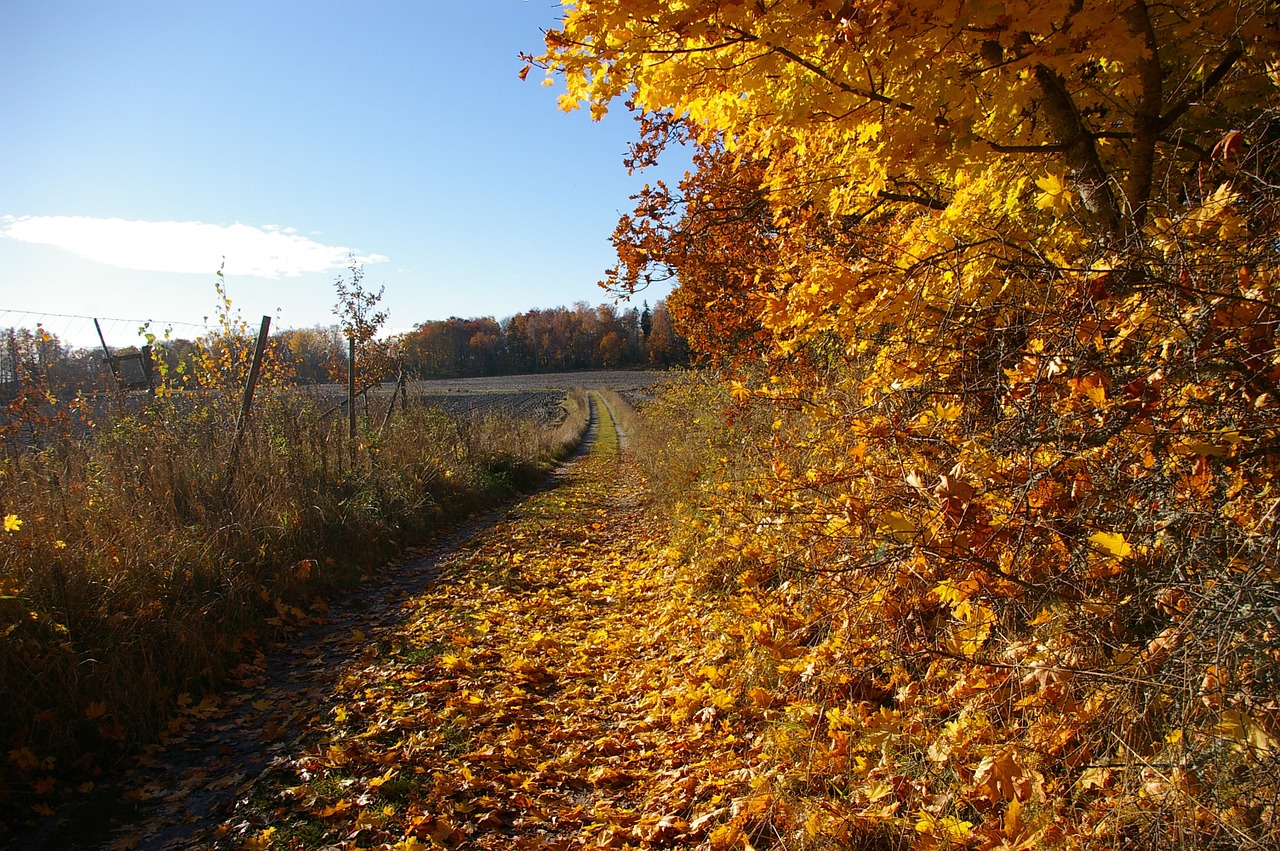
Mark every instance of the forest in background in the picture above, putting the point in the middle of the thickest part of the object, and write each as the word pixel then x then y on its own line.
pixel 556 339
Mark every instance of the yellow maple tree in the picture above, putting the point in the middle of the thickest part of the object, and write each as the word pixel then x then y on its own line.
pixel 1020 290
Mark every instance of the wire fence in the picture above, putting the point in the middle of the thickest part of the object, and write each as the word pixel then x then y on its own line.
pixel 79 331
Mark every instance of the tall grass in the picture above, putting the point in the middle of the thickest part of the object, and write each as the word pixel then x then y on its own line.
pixel 691 434
pixel 143 569
pixel 520 456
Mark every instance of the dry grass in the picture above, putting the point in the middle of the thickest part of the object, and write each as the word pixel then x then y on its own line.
pixel 138 577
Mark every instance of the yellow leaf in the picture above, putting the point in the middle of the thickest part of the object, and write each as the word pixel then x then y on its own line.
pixel 877 789
pixel 95 710
pixel 1043 618
pixel 953 593
pixel 947 413
pixel 1192 446
pixel 947 829
pixel 976 627
pixel 1242 729
pixel 897 522
pixel 725 836
pixel 1000 777
pixel 337 808
pixel 259 842
pixel 1013 819
pixel 1053 194
pixel 1095 778
pixel 378 781
pixel 1111 543
pixel 607 776
pixel 410 843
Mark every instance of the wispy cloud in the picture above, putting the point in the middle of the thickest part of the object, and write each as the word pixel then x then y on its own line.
pixel 267 252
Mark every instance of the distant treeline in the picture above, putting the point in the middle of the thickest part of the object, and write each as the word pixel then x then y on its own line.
pixel 557 339
pixel 581 337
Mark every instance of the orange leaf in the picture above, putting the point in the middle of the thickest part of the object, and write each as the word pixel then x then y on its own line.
pixel 334 809
pixel 1002 778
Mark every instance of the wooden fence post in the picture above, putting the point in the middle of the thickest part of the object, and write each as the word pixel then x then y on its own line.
pixel 148 368
pixel 399 388
pixel 107 356
pixel 351 395
pixel 246 403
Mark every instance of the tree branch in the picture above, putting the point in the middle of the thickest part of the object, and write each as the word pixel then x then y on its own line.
pixel 1210 82
pixel 922 200
pixel 1025 149
pixel 1081 152
pixel 1146 117
pixel 821 72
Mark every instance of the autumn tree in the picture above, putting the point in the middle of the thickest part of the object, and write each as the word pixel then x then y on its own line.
pixel 712 234
pixel 316 354
pixel 664 345
pixel 1016 269
pixel 360 320
pixel 978 137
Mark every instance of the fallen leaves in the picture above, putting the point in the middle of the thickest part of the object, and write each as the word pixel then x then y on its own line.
pixel 554 687
pixel 1001 777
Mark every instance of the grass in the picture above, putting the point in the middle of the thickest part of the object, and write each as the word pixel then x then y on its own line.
pixel 135 575
pixel 624 416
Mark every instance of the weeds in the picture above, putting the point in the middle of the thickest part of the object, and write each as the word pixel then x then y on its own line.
pixel 132 577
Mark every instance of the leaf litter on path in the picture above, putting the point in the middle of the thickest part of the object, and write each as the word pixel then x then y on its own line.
pixel 548 683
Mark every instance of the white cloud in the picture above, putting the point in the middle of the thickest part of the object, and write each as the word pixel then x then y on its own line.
pixel 197 247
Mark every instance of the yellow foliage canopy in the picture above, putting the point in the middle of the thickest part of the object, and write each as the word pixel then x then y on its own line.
pixel 989 129
pixel 1019 425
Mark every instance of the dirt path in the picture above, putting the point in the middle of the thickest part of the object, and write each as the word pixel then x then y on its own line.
pixel 536 682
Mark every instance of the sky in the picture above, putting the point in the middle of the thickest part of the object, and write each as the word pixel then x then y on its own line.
pixel 148 143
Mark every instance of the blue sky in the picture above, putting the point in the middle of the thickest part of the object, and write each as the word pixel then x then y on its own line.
pixel 146 140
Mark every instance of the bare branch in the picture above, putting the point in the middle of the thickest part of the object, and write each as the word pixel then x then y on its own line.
pixel 1056 148
pixel 821 72
pixel 1210 82
pixel 922 200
